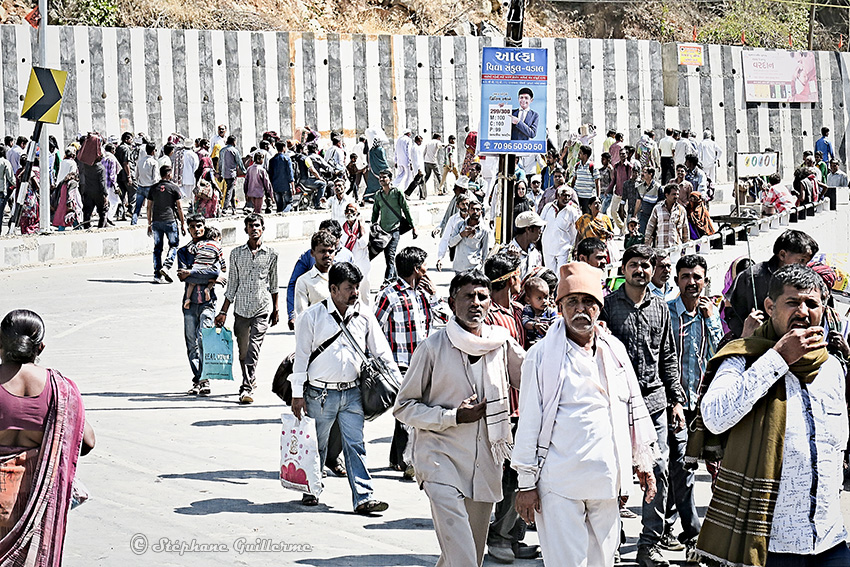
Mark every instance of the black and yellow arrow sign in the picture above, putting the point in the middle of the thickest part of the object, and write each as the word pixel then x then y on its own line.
pixel 44 95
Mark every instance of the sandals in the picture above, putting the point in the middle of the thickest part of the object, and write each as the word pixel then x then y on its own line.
pixel 309 500
pixel 371 507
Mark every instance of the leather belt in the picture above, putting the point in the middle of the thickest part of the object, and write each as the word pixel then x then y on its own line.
pixel 334 385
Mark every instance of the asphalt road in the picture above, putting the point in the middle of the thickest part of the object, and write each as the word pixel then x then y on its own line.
pixel 179 480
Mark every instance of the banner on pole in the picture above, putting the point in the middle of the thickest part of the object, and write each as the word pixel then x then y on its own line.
pixel 757 164
pixel 513 101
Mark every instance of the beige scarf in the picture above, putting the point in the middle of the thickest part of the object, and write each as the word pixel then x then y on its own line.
pixel 490 346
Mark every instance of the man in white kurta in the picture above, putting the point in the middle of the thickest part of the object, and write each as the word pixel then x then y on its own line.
pixel 455 396
pixel 583 426
pixel 404 160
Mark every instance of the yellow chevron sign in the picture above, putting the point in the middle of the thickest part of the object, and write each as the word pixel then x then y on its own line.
pixel 43 100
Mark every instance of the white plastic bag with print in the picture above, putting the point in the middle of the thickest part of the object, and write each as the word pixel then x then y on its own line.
pixel 300 469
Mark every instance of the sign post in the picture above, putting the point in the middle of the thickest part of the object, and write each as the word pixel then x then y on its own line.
pixel 750 164
pixel 42 104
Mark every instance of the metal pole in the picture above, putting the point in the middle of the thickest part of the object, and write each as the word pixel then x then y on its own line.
pixel 507 162
pixel 44 153
pixel 21 195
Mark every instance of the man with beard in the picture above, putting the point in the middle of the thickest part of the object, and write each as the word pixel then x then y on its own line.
pixel 455 395
pixel 583 426
pixel 642 322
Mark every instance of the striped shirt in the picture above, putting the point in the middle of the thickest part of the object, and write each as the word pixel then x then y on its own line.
pixel 585 179
pixel 406 315
pixel 252 280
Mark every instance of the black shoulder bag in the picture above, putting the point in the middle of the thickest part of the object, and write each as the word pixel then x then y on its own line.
pixel 281 385
pixel 403 225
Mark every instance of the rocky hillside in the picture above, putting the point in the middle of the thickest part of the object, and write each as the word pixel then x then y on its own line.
pixel 764 23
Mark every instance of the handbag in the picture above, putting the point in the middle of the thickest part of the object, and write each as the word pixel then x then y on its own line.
pixel 378 240
pixel 218 353
pixel 281 385
pixel 378 384
pixel 403 225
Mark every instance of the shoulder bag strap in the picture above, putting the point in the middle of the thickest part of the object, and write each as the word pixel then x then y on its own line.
pixel 344 328
pixel 387 203
pixel 323 346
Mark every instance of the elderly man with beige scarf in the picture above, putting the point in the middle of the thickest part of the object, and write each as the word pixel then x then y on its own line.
pixel 583 425
pixel 455 396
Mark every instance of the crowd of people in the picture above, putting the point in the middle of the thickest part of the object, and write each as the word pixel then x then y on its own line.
pixel 540 385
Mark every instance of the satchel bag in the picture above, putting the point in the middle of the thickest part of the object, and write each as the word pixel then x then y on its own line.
pixel 378 240
pixel 281 385
pixel 403 226
pixel 378 384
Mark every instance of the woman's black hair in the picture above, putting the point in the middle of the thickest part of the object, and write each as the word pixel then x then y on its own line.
pixel 21 335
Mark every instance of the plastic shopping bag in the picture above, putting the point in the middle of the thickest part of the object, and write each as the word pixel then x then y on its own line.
pixel 300 469
pixel 218 354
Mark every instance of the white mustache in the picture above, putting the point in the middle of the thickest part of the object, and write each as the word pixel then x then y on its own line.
pixel 581 316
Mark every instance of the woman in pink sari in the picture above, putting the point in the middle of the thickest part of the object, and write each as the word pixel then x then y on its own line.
pixel 42 433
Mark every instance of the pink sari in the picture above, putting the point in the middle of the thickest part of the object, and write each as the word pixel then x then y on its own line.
pixel 38 536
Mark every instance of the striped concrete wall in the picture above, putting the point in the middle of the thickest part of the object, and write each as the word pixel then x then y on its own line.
pixel 161 81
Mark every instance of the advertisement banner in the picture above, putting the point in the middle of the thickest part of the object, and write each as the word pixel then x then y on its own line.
pixel 513 101
pixel 780 76
pixel 690 54
pixel 757 164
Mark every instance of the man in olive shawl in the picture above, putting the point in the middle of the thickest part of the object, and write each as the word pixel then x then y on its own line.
pixel 775 411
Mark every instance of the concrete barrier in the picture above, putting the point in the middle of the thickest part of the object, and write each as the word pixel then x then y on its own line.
pixel 79 245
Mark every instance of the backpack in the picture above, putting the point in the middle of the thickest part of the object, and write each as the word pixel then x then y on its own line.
pixel 299 169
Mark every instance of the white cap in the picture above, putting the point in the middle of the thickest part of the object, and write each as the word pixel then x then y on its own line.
pixel 462 181
pixel 529 218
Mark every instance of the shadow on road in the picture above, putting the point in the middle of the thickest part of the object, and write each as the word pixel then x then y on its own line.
pixel 229 422
pixel 242 506
pixel 372 561
pixel 403 524
pixel 226 476
pixel 147 281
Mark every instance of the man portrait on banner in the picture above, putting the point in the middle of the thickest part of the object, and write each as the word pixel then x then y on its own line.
pixel 524 120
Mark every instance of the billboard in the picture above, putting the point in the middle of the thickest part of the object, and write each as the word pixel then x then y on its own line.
pixel 513 101
pixel 780 76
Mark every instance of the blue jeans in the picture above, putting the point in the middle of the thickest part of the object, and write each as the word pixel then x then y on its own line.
pixel 141 196
pixel 3 199
pixel 345 407
pixel 645 213
pixel 838 556
pixel 164 230
pixel 680 495
pixel 653 513
pixel 198 316
pixel 283 200
pixel 606 202
pixel 317 187
pixel 389 256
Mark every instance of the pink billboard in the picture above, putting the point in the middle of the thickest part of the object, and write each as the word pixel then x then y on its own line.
pixel 780 76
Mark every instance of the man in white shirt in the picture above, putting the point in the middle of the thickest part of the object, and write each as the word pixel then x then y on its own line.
pixel 528 228
pixel 339 200
pixel 583 425
pixel 559 236
pixel 683 148
pixel 709 154
pixel 452 225
pixel 326 388
pixel 15 152
pixel 431 159
pixel 471 240
pixel 418 167
pixel 190 165
pixel 777 402
pixel 220 137
pixel 834 179
pixel 404 160
pixel 312 286
pixel 665 148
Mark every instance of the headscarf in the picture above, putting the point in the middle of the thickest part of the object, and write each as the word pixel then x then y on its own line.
pixel 698 215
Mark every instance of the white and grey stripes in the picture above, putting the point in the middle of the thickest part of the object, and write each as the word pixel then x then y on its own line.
pixel 160 81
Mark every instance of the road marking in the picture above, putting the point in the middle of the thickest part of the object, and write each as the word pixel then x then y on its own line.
pixel 89 323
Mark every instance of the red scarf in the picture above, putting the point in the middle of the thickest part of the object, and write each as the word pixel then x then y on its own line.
pixel 352 233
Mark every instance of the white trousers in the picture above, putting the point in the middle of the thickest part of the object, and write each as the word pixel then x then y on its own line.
pixel 614 213
pixel 114 199
pixel 461 525
pixel 187 191
pixel 579 533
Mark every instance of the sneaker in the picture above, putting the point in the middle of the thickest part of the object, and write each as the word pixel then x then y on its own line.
pixel 204 388
pixel 525 551
pixel 650 556
pixel 627 514
pixel 670 543
pixel 195 390
pixel 245 398
pixel 157 280
pixel 691 557
pixel 163 273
